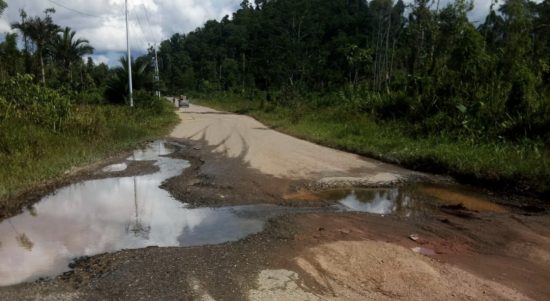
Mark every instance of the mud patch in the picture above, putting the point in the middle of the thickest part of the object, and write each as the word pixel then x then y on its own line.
pixel 454 196
pixel 371 270
pixel 331 256
pixel 215 180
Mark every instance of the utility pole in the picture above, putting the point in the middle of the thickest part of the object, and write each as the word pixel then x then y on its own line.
pixel 129 59
pixel 157 76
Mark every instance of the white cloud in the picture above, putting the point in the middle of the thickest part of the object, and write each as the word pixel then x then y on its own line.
pixel 100 59
pixel 4 26
pixel 102 21
pixel 481 8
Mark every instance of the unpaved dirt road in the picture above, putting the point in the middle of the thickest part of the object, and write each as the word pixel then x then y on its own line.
pixel 277 154
pixel 476 252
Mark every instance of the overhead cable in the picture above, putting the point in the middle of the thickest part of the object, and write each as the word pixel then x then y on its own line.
pixel 73 10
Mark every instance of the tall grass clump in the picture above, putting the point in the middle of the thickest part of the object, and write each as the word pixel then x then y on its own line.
pixel 43 132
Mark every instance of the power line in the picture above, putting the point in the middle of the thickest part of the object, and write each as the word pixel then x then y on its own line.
pixel 135 39
pixel 141 26
pixel 149 28
pixel 74 10
pixel 142 37
pixel 156 59
pixel 149 21
pixel 146 14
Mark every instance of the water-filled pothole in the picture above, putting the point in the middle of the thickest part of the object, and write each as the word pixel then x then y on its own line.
pixel 413 200
pixel 107 215
pixel 380 201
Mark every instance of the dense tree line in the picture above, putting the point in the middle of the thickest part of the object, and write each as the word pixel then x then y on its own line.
pixel 419 63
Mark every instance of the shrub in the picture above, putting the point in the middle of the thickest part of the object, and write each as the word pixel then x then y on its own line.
pixel 90 97
pixel 34 103
pixel 145 100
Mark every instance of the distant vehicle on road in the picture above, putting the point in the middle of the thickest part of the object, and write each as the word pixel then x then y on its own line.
pixel 183 102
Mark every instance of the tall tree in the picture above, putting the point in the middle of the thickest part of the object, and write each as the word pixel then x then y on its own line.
pixel 40 31
pixel 421 35
pixel 26 52
pixel 515 62
pixel 10 56
pixel 68 50
pixel 542 41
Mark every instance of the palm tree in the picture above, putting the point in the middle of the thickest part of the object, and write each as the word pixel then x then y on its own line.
pixel 67 50
pixel 141 72
pixel 142 78
pixel 40 31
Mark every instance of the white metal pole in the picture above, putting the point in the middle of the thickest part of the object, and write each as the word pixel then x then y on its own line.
pixel 129 59
pixel 157 76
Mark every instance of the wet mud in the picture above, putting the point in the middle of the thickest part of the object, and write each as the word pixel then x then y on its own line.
pixel 214 180
pixel 229 271
pixel 488 237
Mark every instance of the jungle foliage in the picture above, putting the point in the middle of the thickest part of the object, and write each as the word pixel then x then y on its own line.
pixel 54 56
pixel 58 111
pixel 427 66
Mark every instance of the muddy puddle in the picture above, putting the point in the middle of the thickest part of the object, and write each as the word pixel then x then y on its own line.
pixel 112 214
pixel 412 200
pixel 380 201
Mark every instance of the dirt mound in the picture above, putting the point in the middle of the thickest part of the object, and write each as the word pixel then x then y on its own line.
pixel 372 270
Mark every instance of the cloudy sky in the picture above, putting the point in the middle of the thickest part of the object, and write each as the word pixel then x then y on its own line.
pixel 102 21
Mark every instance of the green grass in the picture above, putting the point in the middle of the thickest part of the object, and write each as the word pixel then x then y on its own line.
pixel 31 154
pixel 522 167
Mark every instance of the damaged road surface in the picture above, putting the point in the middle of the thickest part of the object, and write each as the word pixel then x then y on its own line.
pixel 227 209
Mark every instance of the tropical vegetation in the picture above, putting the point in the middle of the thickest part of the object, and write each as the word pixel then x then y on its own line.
pixel 416 82
pixel 58 111
pixel 426 71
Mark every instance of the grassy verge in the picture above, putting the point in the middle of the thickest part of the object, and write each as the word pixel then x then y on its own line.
pixel 31 153
pixel 520 167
